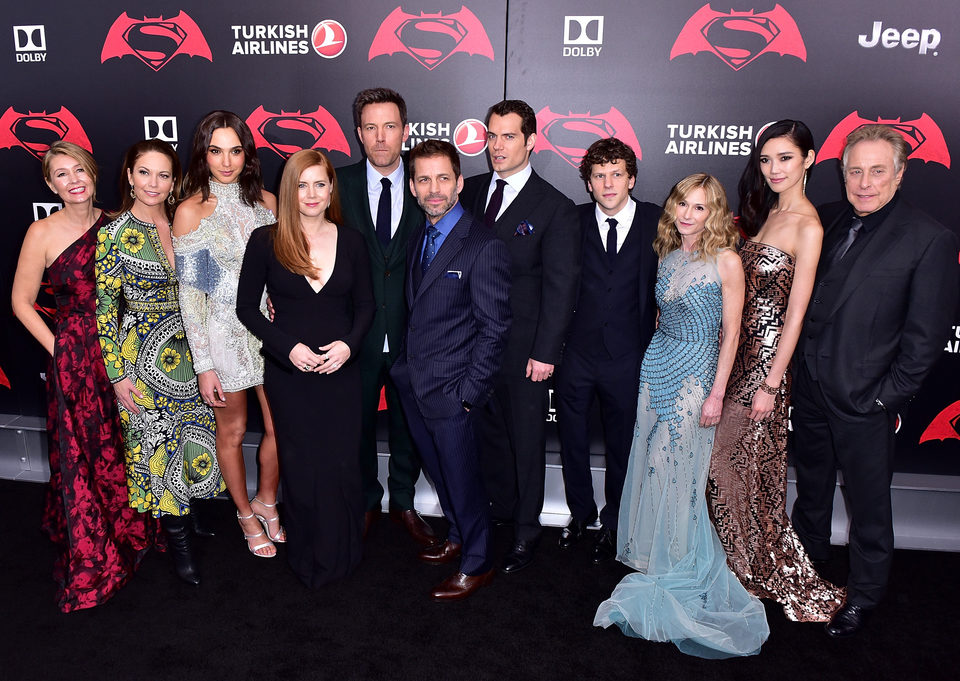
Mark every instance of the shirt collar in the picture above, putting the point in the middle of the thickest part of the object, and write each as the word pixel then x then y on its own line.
pixel 374 176
pixel 871 221
pixel 624 216
pixel 446 223
pixel 517 180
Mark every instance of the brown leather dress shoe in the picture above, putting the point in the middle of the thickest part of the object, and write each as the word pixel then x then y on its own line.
pixel 418 528
pixel 458 586
pixel 446 552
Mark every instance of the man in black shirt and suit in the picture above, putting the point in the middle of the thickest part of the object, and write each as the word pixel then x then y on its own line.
pixel 539 227
pixel 612 325
pixel 377 201
pixel 884 297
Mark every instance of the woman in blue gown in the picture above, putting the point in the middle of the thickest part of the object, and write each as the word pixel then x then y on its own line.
pixel 683 590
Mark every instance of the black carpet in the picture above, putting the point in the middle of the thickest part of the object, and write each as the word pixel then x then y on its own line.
pixel 251 619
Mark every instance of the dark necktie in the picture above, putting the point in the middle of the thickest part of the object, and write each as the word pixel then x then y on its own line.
pixel 855 225
pixel 496 200
pixel 611 240
pixel 429 248
pixel 383 213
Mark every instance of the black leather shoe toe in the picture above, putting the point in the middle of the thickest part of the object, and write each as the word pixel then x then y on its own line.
pixel 519 557
pixel 847 621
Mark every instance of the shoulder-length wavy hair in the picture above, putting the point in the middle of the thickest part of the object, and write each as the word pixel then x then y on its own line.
pixel 756 197
pixel 719 231
pixel 77 153
pixel 198 173
pixel 130 159
pixel 289 244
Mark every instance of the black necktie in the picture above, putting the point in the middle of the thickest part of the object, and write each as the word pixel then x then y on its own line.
pixel 855 225
pixel 611 240
pixel 429 248
pixel 496 200
pixel 383 213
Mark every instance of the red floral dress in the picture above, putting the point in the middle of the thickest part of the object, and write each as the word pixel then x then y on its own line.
pixel 100 538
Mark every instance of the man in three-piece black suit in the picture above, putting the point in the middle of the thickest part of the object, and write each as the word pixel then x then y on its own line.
pixel 377 202
pixel 538 224
pixel 885 293
pixel 612 325
pixel 457 288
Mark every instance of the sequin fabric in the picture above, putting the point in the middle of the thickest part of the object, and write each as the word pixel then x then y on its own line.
pixel 748 469
pixel 208 267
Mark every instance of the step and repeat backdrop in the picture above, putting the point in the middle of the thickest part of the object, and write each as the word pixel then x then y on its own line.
pixel 687 84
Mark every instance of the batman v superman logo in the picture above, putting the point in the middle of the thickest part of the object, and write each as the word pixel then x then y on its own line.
pixel 35 132
pixel 570 135
pixel 922 134
pixel 431 39
pixel 738 38
pixel 288 132
pixel 155 41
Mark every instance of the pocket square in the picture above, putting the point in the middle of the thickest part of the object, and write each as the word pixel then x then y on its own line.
pixel 524 229
pixel 453 274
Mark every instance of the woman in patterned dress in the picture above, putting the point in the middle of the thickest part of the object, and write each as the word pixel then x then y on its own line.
pixel 748 470
pixel 225 201
pixel 99 538
pixel 168 431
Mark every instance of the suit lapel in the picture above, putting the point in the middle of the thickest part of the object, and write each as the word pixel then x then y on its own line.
pixel 450 247
pixel 519 209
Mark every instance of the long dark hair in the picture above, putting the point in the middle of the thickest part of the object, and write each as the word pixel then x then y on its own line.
pixel 198 174
pixel 756 197
pixel 129 160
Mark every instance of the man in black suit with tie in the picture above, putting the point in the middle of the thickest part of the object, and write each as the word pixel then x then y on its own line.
pixel 457 288
pixel 884 297
pixel 538 224
pixel 376 202
pixel 612 325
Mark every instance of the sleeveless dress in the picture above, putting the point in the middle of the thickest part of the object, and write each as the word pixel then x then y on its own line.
pixel 208 266
pixel 100 539
pixel 748 470
pixel 170 444
pixel 684 592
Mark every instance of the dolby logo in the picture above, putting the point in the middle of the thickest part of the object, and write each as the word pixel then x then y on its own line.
pixel 582 36
pixel 161 128
pixel 45 210
pixel 30 43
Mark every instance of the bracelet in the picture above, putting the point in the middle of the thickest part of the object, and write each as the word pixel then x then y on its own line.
pixel 769 389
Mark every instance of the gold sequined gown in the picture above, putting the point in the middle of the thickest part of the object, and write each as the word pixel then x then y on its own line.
pixel 748 470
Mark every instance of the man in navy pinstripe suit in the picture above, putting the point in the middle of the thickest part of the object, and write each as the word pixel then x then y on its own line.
pixel 457 287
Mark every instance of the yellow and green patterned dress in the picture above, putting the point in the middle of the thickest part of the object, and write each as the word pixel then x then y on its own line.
pixel 170 444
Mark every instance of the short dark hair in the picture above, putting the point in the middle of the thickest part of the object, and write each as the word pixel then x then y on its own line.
pixel 431 148
pixel 378 95
pixel 608 150
pixel 528 119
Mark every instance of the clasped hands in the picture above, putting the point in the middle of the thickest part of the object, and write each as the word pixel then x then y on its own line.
pixel 331 357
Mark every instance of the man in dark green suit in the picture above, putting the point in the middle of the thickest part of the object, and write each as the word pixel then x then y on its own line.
pixel 376 202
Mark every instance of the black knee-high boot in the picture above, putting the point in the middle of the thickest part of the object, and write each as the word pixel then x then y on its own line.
pixel 200 528
pixel 178 534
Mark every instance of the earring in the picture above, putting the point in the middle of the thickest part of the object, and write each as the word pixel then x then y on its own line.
pixel 171 199
pixel 133 194
pixel 804 188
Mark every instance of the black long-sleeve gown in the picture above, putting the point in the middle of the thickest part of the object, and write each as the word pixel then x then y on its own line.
pixel 317 416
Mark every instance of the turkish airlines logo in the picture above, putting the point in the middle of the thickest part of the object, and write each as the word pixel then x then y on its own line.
pixel 470 137
pixel 35 132
pixel 155 41
pixel 922 134
pixel 570 135
pixel 161 128
pixel 288 132
pixel 431 39
pixel 329 39
pixel 45 210
pixel 739 38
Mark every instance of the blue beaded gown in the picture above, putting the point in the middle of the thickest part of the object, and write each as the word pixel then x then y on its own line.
pixel 683 591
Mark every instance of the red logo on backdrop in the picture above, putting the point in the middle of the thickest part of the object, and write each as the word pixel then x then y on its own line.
pixel 329 39
pixel 470 137
pixel 922 134
pixel 431 38
pixel 945 425
pixel 155 41
pixel 288 132
pixel 35 132
pixel 571 135
pixel 738 38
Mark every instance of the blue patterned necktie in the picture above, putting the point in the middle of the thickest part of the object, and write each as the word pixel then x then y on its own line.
pixel 429 248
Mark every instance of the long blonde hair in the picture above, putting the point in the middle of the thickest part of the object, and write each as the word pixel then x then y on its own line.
pixel 289 244
pixel 719 231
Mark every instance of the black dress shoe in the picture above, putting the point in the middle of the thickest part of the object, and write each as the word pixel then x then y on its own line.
pixel 573 532
pixel 847 621
pixel 519 557
pixel 605 547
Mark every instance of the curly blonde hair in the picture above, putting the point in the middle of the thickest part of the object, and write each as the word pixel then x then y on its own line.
pixel 719 231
